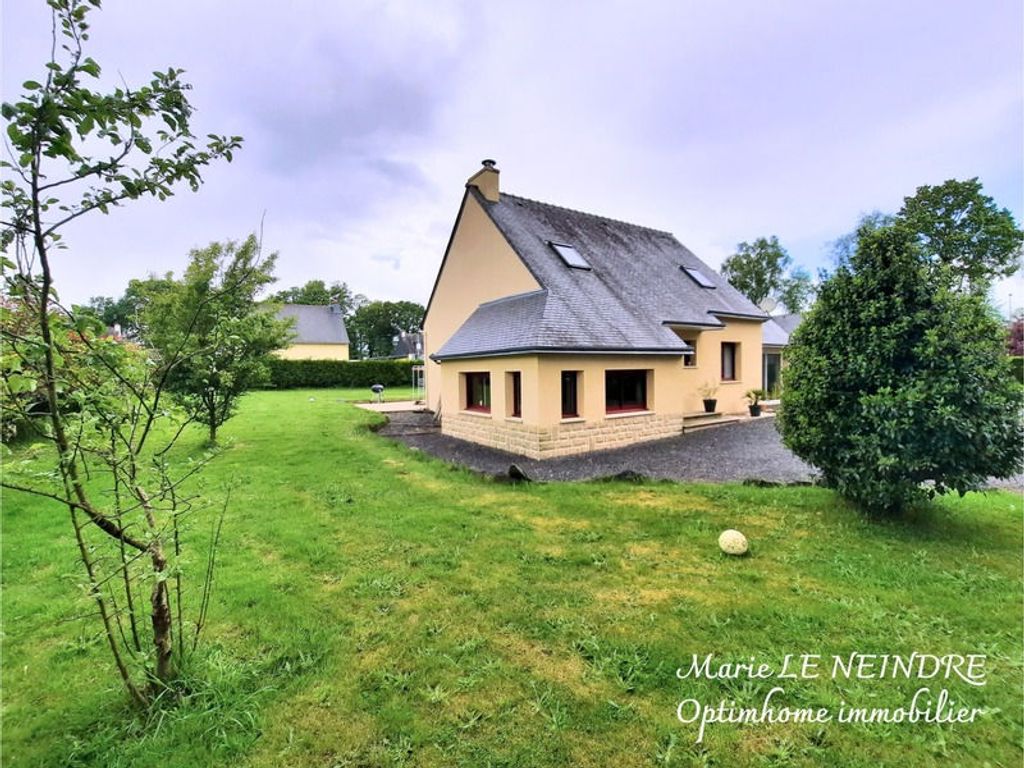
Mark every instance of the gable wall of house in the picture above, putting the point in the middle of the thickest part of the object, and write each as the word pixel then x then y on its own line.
pixel 314 352
pixel 480 267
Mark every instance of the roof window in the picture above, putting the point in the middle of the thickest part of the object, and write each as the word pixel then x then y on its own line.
pixel 570 255
pixel 698 277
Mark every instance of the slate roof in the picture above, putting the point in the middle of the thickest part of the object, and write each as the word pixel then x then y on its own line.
pixel 789 322
pixel 408 345
pixel 774 334
pixel 316 324
pixel 624 303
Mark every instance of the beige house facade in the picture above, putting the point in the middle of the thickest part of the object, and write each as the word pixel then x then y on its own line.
pixel 552 332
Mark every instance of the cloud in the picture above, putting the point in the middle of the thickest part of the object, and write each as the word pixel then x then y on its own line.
pixel 718 122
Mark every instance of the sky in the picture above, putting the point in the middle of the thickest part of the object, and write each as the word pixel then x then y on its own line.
pixel 719 122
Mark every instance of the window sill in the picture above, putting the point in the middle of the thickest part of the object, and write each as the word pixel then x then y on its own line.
pixel 626 414
pixel 726 382
pixel 571 420
pixel 478 413
pixel 516 419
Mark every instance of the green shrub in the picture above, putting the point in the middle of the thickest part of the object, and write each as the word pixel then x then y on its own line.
pixel 294 374
pixel 896 386
pixel 1017 369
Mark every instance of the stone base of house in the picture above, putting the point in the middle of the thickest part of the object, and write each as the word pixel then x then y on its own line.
pixel 564 439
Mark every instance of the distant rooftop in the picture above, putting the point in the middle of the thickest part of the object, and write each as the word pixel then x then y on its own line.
pixel 316 323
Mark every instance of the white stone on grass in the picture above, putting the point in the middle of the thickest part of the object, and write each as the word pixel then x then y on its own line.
pixel 733 542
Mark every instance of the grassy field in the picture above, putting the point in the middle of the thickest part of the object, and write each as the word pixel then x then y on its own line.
pixel 364 395
pixel 375 607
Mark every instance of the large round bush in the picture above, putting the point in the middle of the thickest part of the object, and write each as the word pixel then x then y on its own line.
pixel 896 387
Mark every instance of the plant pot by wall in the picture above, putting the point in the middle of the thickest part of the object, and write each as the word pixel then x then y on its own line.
pixel 709 404
pixel 755 410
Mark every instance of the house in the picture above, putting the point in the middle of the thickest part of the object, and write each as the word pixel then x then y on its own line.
pixel 320 332
pixel 552 332
pixel 776 339
pixel 408 346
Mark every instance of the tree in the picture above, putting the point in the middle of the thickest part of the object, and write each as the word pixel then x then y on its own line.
pixel 757 269
pixel 844 246
pixel 211 323
pixel 962 229
pixel 797 290
pixel 761 270
pixel 76 151
pixel 126 311
pixel 318 292
pixel 896 387
pixel 373 327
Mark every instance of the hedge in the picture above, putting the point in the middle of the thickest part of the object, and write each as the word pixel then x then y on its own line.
pixel 292 374
pixel 1017 367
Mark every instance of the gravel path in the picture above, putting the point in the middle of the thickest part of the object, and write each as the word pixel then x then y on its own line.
pixel 749 450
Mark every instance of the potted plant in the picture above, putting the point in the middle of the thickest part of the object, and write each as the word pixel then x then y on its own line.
pixel 754 398
pixel 708 393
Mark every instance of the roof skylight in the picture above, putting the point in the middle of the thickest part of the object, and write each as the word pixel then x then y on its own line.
pixel 698 277
pixel 570 255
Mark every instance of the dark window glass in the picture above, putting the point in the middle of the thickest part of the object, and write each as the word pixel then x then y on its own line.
pixel 698 277
pixel 478 392
pixel 772 369
pixel 690 358
pixel 625 391
pixel 517 394
pixel 570 394
pixel 570 256
pixel 728 361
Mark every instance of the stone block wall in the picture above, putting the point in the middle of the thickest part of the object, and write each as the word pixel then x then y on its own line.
pixel 564 439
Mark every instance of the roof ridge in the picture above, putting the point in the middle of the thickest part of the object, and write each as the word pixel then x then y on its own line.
pixel 586 213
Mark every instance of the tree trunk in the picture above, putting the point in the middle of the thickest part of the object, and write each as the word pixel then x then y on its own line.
pixel 163 623
pixel 211 417
pixel 161 617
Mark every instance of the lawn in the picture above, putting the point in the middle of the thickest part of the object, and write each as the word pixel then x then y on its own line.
pixel 364 395
pixel 375 607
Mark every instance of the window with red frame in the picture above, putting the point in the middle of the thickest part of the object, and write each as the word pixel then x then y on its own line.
pixel 570 394
pixel 516 382
pixel 728 361
pixel 625 391
pixel 478 392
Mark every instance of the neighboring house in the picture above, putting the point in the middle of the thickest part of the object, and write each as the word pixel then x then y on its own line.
pixel 319 332
pixel 408 346
pixel 551 332
pixel 776 339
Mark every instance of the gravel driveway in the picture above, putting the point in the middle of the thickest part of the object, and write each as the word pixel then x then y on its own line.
pixel 749 450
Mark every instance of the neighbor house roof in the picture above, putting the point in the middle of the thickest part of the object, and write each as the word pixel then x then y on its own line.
pixel 633 292
pixel 408 344
pixel 316 323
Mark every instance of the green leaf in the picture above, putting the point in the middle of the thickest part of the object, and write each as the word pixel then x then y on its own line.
pixel 19 383
pixel 31 85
